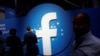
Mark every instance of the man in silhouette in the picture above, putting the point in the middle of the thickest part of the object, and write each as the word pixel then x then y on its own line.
pixel 30 40
pixel 14 44
pixel 2 49
pixel 86 44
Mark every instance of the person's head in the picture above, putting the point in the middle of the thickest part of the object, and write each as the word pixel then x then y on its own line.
pixel 0 32
pixel 28 28
pixel 12 32
pixel 81 24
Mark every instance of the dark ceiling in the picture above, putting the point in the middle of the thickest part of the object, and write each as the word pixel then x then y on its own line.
pixel 22 7
pixel 8 3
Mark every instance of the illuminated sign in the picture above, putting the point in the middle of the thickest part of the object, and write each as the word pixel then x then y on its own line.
pixel 53 28
pixel 44 30
pixel 52 25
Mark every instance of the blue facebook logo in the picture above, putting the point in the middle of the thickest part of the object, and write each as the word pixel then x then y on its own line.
pixel 53 28
pixel 46 33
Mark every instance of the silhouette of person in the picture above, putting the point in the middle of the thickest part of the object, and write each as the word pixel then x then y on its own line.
pixel 14 44
pixel 86 44
pixel 30 40
pixel 2 49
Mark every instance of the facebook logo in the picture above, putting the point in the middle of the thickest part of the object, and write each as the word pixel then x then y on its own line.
pixel 53 28
pixel 47 33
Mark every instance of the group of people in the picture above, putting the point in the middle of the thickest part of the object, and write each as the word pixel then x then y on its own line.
pixel 85 43
pixel 15 45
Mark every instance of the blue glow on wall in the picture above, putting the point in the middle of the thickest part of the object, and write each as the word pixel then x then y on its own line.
pixel 61 43
pixel 9 21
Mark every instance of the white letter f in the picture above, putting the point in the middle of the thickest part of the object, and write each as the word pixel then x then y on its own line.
pixel 46 33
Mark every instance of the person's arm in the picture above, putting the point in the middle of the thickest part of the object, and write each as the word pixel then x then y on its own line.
pixel 19 42
pixel 24 41
pixel 36 39
pixel 7 42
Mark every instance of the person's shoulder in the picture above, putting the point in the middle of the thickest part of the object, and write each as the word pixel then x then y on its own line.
pixel 27 33
pixel 95 39
pixel 89 37
pixel 91 44
pixel 91 41
pixel 32 33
